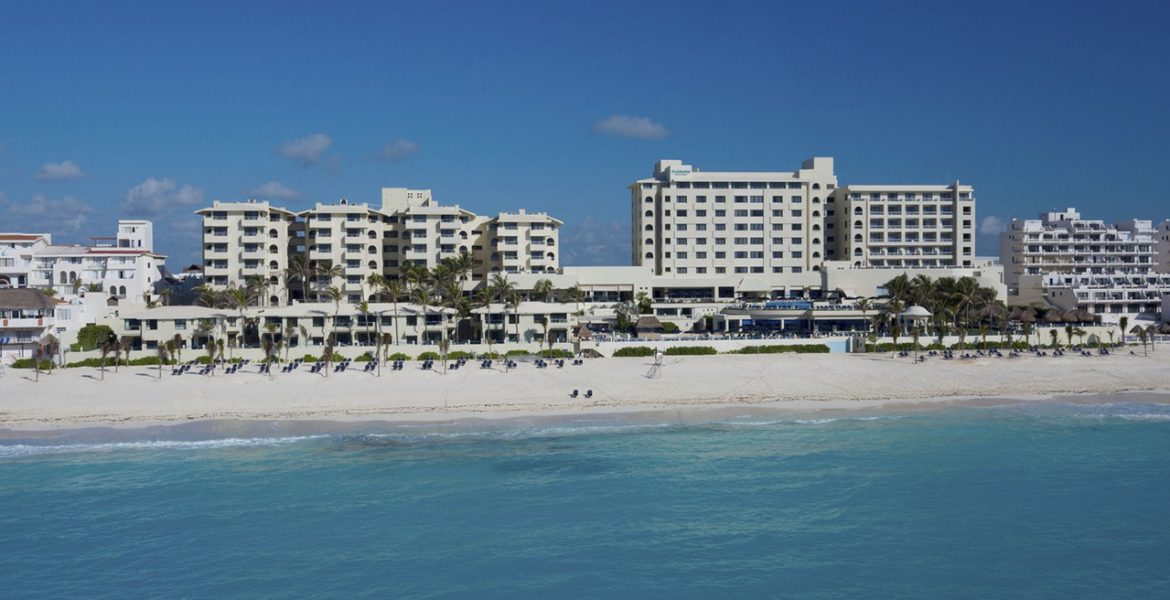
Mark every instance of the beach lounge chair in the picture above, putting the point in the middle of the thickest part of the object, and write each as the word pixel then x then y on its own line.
pixel 588 393
pixel 573 394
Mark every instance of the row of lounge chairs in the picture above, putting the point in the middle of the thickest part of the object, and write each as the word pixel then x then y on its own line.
pixel 574 393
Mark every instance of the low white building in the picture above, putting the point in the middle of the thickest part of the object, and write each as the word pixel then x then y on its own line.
pixel 16 256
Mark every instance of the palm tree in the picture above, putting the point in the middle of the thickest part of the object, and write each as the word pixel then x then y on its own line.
pixel 575 294
pixel 177 343
pixel 299 271
pixel 208 297
pixel 210 348
pixel 1068 331
pixel 328 271
pixel 127 347
pixel 396 291
pixel 219 348
pixel 363 309
pixel 1055 341
pixel 1026 329
pixel 377 283
pixel 483 299
pixel 542 289
pixel 334 295
pixel 915 331
pixel 898 288
pixel 1124 321
pixel 105 348
pixel 1143 337
pixel 513 302
pixel 162 352
pixel 422 296
pixel 895 331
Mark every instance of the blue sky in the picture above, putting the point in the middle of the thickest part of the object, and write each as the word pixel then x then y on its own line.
pixel 151 109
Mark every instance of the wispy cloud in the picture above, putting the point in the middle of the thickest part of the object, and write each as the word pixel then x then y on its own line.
pixel 641 128
pixel 65 169
pixel 307 150
pixel 42 213
pixel 275 190
pixel 154 197
pixel 992 225
pixel 398 150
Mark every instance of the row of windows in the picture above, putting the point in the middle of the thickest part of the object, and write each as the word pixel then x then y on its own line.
pixel 720 270
pixel 737 200
pixel 795 213
pixel 738 185
pixel 739 241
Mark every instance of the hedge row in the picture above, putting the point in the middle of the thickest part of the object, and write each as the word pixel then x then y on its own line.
pixel 690 351
pixel 633 351
pixel 789 348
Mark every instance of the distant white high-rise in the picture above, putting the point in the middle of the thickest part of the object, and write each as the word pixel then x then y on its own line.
pixel 1112 270
pixel 686 222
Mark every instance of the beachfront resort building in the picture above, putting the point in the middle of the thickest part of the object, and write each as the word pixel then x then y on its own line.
pixel 124 266
pixel 244 239
pixel 1111 270
pixel 16 256
pixel 692 223
pixel 903 226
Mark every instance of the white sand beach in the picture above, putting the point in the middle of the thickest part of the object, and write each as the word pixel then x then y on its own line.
pixel 135 396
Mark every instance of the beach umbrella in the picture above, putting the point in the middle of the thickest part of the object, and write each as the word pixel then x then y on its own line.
pixel 1053 316
pixel 1086 316
pixel 1164 329
pixel 1026 316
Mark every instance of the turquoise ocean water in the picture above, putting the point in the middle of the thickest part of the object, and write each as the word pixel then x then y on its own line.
pixel 1039 501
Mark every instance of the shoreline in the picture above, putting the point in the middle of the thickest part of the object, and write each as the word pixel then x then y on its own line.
pixel 135 398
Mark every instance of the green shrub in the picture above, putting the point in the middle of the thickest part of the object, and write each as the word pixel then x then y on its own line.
pixel 634 351
pixel 366 357
pixel 27 363
pixel 491 355
pixel 91 336
pixel 785 349
pixel 328 356
pixel 145 361
pixel 309 358
pixel 690 351
pixel 669 327
pixel 429 356
pixel 91 362
pixel 398 356
pixel 459 354
pixel 517 353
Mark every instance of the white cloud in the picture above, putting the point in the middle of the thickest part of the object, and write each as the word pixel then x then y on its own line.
pixel 154 197
pixel 398 150
pixel 42 213
pixel 306 150
pixel 65 169
pixel 992 225
pixel 641 128
pixel 275 190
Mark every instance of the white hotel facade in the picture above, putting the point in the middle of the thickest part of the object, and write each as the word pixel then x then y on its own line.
pixel 778 230
pixel 1110 269
pixel 256 239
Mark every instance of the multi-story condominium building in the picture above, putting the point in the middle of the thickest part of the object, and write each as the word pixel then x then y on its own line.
pixel 343 235
pixel 691 223
pixel 903 226
pixel 242 240
pixel 410 228
pixel 125 266
pixel 1162 245
pixel 16 256
pixel 1063 242
pixel 1109 269
pixel 520 242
